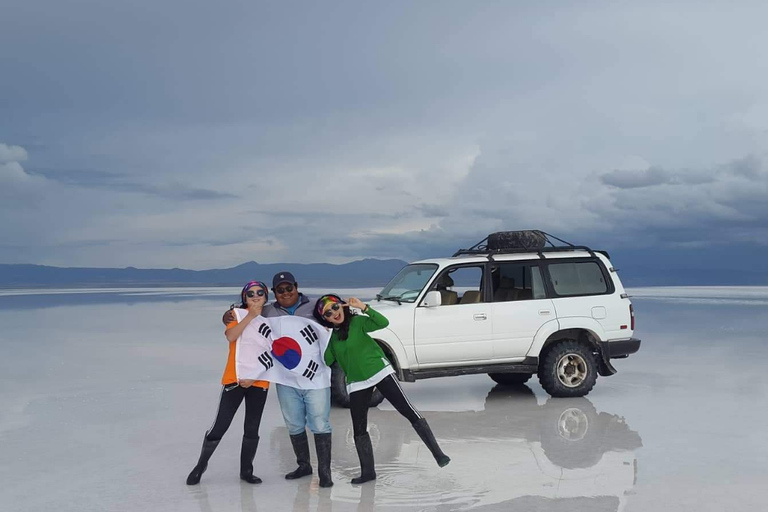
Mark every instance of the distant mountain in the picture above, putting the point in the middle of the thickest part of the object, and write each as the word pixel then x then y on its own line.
pixel 636 269
pixel 362 273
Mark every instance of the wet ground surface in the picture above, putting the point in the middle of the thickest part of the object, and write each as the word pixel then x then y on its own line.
pixel 104 404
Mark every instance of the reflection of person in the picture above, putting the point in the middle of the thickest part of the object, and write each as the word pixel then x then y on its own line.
pixel 301 408
pixel 366 367
pixel 253 297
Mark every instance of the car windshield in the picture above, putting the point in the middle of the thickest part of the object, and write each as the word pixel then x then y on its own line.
pixel 408 283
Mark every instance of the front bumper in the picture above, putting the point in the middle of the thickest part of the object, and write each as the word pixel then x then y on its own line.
pixel 615 350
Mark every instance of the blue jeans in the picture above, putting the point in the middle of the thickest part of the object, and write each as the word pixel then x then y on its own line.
pixel 305 407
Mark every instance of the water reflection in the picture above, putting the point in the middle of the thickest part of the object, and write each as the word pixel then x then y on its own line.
pixel 200 495
pixel 247 499
pixel 513 455
pixel 31 298
pixel 51 298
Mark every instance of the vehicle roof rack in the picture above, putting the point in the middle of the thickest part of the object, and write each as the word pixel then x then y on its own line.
pixel 481 248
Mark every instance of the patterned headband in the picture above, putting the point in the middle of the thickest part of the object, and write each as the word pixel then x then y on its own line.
pixel 323 301
pixel 250 285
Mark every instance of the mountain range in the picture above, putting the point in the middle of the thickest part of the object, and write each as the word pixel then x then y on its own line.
pixel 635 270
pixel 361 273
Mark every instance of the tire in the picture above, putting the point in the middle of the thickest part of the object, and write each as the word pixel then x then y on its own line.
pixel 568 369
pixel 511 379
pixel 339 395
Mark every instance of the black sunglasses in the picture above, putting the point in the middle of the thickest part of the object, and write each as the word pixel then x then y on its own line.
pixel 331 311
pixel 284 289
pixel 251 294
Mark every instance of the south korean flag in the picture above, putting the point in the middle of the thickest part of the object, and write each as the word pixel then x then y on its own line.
pixel 298 345
pixel 285 349
pixel 253 351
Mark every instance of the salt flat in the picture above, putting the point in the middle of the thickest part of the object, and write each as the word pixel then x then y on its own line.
pixel 105 396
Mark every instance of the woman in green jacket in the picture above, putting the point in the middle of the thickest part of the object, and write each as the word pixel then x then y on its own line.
pixel 366 367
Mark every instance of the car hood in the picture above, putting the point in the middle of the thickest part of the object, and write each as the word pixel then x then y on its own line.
pixel 400 317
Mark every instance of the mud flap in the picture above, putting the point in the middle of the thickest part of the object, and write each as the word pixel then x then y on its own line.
pixel 604 366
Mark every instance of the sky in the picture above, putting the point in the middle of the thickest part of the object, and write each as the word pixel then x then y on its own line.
pixel 206 134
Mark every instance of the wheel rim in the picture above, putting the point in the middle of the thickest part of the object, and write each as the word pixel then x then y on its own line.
pixel 572 425
pixel 571 370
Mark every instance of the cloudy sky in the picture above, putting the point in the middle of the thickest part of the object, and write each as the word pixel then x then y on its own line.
pixel 205 134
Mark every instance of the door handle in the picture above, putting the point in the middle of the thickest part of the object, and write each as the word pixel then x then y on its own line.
pixel 480 316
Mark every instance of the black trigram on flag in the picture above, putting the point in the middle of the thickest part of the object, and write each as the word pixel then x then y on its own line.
pixel 311 370
pixel 266 360
pixel 264 330
pixel 309 334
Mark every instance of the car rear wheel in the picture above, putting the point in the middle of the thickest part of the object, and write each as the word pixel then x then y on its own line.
pixel 511 379
pixel 569 368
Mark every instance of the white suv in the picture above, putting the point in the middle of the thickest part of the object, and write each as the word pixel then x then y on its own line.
pixel 513 305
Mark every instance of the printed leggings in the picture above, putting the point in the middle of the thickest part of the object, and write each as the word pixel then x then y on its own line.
pixel 232 396
pixel 390 388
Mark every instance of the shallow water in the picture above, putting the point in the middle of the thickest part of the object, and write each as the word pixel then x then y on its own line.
pixel 105 396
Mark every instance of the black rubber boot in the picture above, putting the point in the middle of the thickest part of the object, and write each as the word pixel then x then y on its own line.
pixel 300 444
pixel 323 446
pixel 425 433
pixel 202 464
pixel 365 453
pixel 247 453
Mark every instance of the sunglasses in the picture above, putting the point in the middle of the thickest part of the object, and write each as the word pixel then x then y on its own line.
pixel 284 289
pixel 331 311
pixel 251 294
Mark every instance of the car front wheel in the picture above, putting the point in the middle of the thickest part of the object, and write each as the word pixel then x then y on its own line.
pixel 569 368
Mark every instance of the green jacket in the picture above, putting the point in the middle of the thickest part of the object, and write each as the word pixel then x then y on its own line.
pixel 359 355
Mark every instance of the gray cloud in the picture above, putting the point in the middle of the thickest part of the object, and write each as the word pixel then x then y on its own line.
pixel 121 183
pixel 655 176
pixel 284 132
pixel 638 179
pixel 723 208
pixel 433 210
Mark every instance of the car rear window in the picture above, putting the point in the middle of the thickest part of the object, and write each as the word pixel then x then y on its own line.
pixel 583 278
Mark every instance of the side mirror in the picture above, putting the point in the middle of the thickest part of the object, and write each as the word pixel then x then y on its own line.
pixel 432 299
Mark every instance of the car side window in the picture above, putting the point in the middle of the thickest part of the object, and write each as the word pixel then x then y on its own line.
pixel 460 285
pixel 578 278
pixel 517 281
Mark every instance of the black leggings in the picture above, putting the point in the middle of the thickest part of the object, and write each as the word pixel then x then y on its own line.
pixel 390 388
pixel 231 397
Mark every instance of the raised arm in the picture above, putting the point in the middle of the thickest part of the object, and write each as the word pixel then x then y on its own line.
pixel 374 321
pixel 235 330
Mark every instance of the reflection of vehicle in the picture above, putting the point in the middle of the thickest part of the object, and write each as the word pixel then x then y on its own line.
pixel 563 454
pixel 510 311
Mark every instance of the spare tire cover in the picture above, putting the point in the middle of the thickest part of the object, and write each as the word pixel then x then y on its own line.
pixel 528 239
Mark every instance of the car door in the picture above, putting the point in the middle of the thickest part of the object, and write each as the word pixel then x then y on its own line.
pixel 459 330
pixel 519 309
